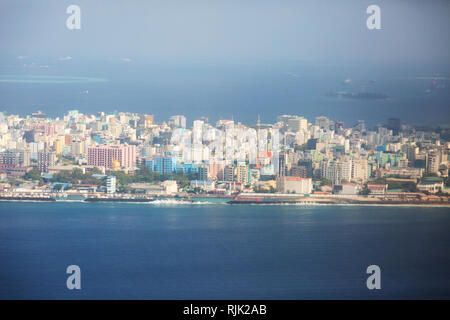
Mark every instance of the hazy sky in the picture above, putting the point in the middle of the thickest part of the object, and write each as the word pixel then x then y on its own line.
pixel 328 30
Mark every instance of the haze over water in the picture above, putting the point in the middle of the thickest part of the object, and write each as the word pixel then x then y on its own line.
pixel 225 90
pixel 224 59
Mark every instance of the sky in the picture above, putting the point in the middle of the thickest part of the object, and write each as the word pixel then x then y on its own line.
pixel 227 58
pixel 413 31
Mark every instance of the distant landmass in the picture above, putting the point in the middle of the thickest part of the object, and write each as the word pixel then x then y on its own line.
pixel 359 95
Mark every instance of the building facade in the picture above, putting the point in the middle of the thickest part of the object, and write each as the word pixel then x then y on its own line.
pixel 105 155
pixel 294 185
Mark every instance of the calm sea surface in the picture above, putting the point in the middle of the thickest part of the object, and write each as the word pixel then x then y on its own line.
pixel 225 91
pixel 218 251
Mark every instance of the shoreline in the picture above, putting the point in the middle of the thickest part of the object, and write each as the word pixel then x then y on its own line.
pixel 194 203
pixel 388 199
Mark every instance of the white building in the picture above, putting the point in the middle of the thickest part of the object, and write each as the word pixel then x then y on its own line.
pixel 297 124
pixel 431 186
pixel 177 121
pixel 170 186
pixel 111 184
pixel 294 185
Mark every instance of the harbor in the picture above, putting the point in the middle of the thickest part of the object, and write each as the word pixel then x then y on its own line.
pixel 241 198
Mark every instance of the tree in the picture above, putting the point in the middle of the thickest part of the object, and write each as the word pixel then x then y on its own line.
pixel 78 174
pixel 365 191
pixel 302 147
pixel 197 190
pixel 324 181
pixel 33 175
pixel 95 170
pixel 62 176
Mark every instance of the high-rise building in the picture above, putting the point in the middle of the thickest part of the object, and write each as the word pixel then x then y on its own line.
pixel 67 140
pixel 411 152
pixel 283 119
pixel 323 122
pixel 59 145
pixel 312 144
pixel 337 171
pixel 433 161
pixel 228 174
pixel 105 155
pixel 177 121
pixel 394 124
pixel 77 148
pixel 17 157
pixel 299 171
pixel 146 120
pixel 215 170
pixel 242 173
pixel 283 164
pixel 338 126
pixel 360 170
pixel 164 164
pixel 203 173
pixel 197 132
pixel 308 164
pixel 297 124
pixel 361 126
pixel 111 184
pixel 46 159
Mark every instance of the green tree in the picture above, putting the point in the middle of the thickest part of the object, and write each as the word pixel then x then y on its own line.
pixel 78 174
pixel 365 191
pixel 33 175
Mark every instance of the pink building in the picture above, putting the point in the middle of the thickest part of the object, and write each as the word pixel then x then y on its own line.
pixel 105 155
pixel 49 129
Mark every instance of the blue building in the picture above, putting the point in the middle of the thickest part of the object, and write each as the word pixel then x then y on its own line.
pixel 161 164
pixel 189 168
pixel 148 163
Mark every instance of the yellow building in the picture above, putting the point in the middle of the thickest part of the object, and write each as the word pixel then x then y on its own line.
pixel 241 173
pixel 59 144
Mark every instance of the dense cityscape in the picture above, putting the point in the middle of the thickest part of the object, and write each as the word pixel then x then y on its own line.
pixel 130 156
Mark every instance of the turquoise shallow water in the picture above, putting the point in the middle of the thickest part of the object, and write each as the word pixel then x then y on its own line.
pixel 218 251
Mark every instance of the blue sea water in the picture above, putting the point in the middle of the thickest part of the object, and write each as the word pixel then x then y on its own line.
pixel 219 251
pixel 225 90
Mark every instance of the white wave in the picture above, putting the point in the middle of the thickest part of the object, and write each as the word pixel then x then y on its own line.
pixel 183 202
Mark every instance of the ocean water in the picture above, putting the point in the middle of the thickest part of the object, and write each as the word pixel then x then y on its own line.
pixel 219 251
pixel 225 90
